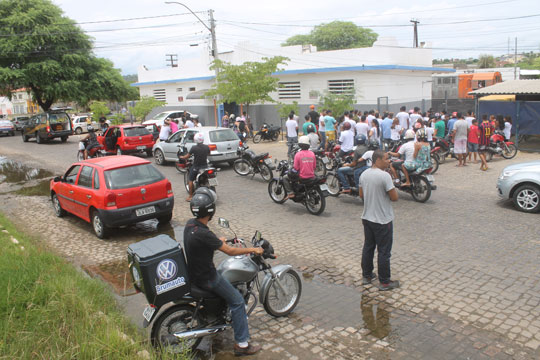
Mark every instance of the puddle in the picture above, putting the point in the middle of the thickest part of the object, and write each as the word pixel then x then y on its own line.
pixel 16 172
pixel 41 189
pixel 116 274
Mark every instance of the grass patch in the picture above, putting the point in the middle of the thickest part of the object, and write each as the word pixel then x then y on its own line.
pixel 49 310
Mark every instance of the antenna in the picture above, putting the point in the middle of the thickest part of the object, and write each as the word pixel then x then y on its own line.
pixel 415 38
pixel 171 60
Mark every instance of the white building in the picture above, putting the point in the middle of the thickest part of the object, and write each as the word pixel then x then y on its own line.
pixel 6 108
pixel 385 76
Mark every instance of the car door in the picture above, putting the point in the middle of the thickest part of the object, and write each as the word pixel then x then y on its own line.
pixel 83 192
pixel 66 189
pixel 171 146
pixel 188 140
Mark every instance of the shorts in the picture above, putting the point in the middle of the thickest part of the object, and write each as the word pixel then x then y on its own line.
pixel 460 146
pixel 482 148
pixel 331 135
pixel 473 147
pixel 193 172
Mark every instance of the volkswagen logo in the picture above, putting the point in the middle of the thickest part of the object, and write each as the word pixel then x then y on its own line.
pixel 143 191
pixel 166 269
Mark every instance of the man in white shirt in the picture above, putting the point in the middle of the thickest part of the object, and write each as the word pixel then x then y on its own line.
pixel 403 118
pixel 370 117
pixel 322 130
pixel 406 149
pixel 413 118
pixel 362 128
pixel 165 130
pixel 469 118
pixel 292 133
pixel 346 139
pixel 189 124
pixel 350 121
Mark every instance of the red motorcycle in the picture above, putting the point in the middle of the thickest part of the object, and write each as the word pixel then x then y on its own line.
pixel 499 146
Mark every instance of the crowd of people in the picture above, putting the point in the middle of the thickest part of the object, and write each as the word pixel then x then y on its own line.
pixel 172 125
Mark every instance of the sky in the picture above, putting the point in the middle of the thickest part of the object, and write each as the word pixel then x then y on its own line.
pixel 455 29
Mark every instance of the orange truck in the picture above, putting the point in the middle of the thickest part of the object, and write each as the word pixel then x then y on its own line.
pixel 475 81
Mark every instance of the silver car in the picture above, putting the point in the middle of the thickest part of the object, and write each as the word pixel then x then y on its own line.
pixel 521 183
pixel 223 144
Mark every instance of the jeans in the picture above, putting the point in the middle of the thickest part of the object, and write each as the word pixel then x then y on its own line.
pixel 323 139
pixel 220 286
pixel 378 236
pixel 345 171
pixel 291 140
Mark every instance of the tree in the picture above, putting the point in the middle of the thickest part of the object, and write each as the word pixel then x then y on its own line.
pixel 486 61
pixel 338 103
pixel 247 83
pixel 48 54
pixel 144 106
pixel 336 35
pixel 285 109
pixel 98 109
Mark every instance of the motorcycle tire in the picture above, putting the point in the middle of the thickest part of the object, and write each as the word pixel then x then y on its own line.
pixel 242 167
pixel 329 165
pixel 257 138
pixel 275 136
pixel 266 172
pixel 420 189
pixel 333 184
pixel 277 191
pixel 80 155
pixel 186 181
pixel 510 152
pixel 315 201
pixel 489 156
pixel 320 168
pixel 179 168
pixel 442 157
pixel 273 299
pixel 175 319
pixel 434 164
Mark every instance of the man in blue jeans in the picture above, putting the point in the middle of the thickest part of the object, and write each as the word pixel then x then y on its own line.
pixel 200 244
pixel 361 162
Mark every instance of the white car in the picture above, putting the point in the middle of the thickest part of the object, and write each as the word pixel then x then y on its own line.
pixel 175 114
pixel 80 124
pixel 521 183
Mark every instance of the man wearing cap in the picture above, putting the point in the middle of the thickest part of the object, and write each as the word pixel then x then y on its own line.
pixel 313 114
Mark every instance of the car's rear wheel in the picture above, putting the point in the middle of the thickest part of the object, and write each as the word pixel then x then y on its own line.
pixel 159 158
pixel 527 198
pixel 165 219
pixel 78 131
pixel 38 139
pixel 100 229
pixel 64 138
pixel 57 207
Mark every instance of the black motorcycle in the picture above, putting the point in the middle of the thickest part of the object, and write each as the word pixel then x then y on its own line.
pixel 309 192
pixel 206 177
pixel 251 163
pixel 267 133
pixel 422 183
pixel 332 180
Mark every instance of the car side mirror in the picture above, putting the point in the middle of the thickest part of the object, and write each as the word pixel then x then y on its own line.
pixel 57 179
pixel 224 223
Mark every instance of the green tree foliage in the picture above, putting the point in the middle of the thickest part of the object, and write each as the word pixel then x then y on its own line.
pixel 486 61
pixel 247 83
pixel 336 35
pixel 285 109
pixel 144 106
pixel 98 109
pixel 338 103
pixel 47 53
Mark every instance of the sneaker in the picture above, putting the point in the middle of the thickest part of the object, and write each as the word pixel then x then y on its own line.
pixel 393 284
pixel 249 350
pixel 366 280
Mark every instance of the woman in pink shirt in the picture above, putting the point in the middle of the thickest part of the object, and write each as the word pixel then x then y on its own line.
pixel 174 126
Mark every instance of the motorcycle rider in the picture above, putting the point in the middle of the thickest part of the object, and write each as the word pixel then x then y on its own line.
pixel 91 141
pixel 408 150
pixel 200 244
pixel 304 165
pixel 360 163
pixel 346 139
pixel 200 154
pixel 313 137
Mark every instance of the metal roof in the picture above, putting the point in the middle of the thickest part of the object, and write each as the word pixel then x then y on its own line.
pixel 511 87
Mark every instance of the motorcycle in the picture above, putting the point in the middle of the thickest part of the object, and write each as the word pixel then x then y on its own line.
pixel 95 152
pixel 499 146
pixel 310 192
pixel 205 177
pixel 250 163
pixel 422 183
pixel 320 165
pixel 446 147
pixel 434 155
pixel 196 313
pixel 267 133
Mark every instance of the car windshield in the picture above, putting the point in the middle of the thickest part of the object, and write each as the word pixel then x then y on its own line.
pixel 58 118
pixel 5 123
pixel 161 116
pixel 136 131
pixel 222 135
pixel 132 176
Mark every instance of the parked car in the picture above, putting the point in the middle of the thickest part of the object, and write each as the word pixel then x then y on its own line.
pixel 127 139
pixel 20 121
pixel 521 183
pixel 153 130
pixel 7 128
pixel 113 191
pixel 47 126
pixel 223 144
pixel 158 119
pixel 80 124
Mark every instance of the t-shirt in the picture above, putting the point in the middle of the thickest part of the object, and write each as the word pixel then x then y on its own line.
pixel 321 124
pixel 189 124
pixel 375 185
pixel 469 120
pixel 440 128
pixel 395 132
pixel 374 134
pixel 368 157
pixel 329 123
pixel 473 135
pixel 164 132
pixel 362 129
pixel 200 244
pixel 305 163
pixel 461 127
pixel 408 150
pixel 429 133
pixel 200 154
pixel 305 126
pixel 353 125
pixel 358 153
pixel 313 141
pixel 413 118
pixel 347 140
pixel 507 130
pixel 386 128
pixel 291 126
pixel 403 119
pixel 370 119
pixel 314 116
pixel 451 123
pixel 486 130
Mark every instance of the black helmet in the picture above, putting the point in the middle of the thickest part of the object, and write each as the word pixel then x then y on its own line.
pixel 203 203
pixel 373 144
pixel 90 128
pixel 421 134
pixel 310 128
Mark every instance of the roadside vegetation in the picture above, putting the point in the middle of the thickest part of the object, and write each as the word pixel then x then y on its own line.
pixel 50 310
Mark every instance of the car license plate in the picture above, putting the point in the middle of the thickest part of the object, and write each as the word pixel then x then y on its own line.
pixel 268 161
pixel 212 181
pixel 145 211
pixel 430 178
pixel 148 312
pixel 141 147
pixel 325 160
pixel 324 187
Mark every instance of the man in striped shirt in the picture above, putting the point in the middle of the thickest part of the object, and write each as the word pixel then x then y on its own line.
pixel 485 131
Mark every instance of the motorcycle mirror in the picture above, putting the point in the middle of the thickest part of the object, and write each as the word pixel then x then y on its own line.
pixel 224 223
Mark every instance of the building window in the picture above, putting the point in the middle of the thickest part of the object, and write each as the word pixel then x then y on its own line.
pixel 453 80
pixel 159 94
pixel 446 80
pixel 341 86
pixel 439 81
pixel 289 90
pixel 178 89
pixel 191 89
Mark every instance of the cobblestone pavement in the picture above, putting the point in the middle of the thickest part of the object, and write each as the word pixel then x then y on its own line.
pixel 468 264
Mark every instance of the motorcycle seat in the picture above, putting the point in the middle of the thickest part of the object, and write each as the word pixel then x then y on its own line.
pixel 261 156
pixel 199 293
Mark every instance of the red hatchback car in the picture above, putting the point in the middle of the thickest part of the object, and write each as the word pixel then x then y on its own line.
pixel 113 191
pixel 127 139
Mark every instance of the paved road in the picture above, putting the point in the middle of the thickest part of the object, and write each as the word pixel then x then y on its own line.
pixel 468 263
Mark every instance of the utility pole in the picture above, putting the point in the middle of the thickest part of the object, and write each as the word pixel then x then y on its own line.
pixel 415 39
pixel 171 60
pixel 515 61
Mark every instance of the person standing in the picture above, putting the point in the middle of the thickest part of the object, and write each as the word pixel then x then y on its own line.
pixel 460 134
pixel 322 130
pixel 403 118
pixel 370 117
pixel 472 140
pixel 507 127
pixel 292 134
pixel 313 114
pixel 469 118
pixel 330 126
pixel 440 128
pixel 308 122
pixel 386 131
pixel 486 130
pixel 451 123
pixel 378 191
pixel 362 129
pixel 189 124
pixel 414 117
pixel 165 130
pixel 225 120
pixel 173 125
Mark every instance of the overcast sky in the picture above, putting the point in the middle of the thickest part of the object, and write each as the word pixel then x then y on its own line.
pixel 268 23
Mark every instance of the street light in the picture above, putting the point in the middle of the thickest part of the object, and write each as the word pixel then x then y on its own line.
pixel 212 29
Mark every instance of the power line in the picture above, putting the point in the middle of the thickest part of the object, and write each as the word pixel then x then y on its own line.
pixel 136 18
